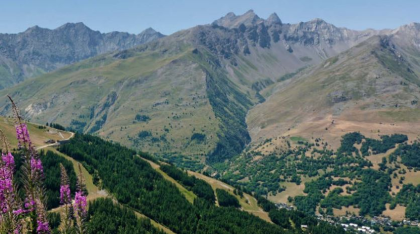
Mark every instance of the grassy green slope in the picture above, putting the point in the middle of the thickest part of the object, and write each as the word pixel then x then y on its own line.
pixel 367 83
pixel 155 97
pixel 103 95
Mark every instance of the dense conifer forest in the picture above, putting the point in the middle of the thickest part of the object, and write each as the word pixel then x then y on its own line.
pixel 106 217
pixel 133 182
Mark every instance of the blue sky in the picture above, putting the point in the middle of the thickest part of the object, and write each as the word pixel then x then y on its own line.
pixel 172 15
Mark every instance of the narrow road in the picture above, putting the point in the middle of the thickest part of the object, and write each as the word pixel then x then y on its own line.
pixel 55 144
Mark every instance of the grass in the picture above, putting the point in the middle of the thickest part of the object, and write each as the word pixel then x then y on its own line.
pixel 292 190
pixel 248 203
pixel 92 188
pixel 401 114
pixel 305 59
pixel 138 86
pixel 249 64
pixel 396 214
pixel 38 136
pixel 411 177
pixel 298 138
pixel 154 223
pixel 289 76
pixel 343 210
pixel 190 196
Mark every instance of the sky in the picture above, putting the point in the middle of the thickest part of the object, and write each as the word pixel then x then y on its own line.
pixel 173 15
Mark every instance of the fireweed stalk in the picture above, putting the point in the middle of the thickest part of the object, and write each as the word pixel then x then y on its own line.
pixel 73 216
pixel 65 200
pixel 9 206
pixel 80 205
pixel 32 180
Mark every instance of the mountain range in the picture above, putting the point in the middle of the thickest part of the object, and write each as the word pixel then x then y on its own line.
pixel 201 95
pixel 38 50
pixel 310 115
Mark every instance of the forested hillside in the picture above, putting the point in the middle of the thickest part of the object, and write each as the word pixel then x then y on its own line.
pixel 364 176
pixel 136 184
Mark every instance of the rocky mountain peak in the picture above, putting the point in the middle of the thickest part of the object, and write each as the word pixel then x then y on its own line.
pixel 407 35
pixel 415 25
pixel 230 15
pixel 151 33
pixel 77 26
pixel 318 21
pixel 39 50
pixel 33 29
pixel 149 30
pixel 231 20
pixel 273 19
pixel 411 27
pixel 317 25
pixel 250 13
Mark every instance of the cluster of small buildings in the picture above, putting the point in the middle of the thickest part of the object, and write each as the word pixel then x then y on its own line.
pixel 411 222
pixel 59 142
pixel 363 229
pixel 359 224
pixel 380 220
pixel 347 226
pixel 284 206
pixel 49 141
pixel 327 218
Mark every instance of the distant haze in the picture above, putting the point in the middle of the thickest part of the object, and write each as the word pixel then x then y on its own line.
pixel 170 16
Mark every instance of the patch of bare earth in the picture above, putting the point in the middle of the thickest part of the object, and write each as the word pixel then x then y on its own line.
pixel 396 214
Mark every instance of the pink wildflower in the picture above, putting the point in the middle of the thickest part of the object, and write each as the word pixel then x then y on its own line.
pixel 65 197
pixel 42 222
pixel 65 194
pixel 6 182
pixel 36 165
pixel 80 204
pixel 42 227
pixel 23 135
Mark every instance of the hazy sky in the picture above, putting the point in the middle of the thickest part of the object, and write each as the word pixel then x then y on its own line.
pixel 172 15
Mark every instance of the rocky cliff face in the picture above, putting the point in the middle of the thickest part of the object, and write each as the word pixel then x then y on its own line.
pixel 39 50
pixel 314 32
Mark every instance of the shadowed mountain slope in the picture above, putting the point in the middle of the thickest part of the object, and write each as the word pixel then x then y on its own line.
pixel 39 50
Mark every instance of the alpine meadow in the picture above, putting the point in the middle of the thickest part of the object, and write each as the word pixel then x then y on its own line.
pixel 243 124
